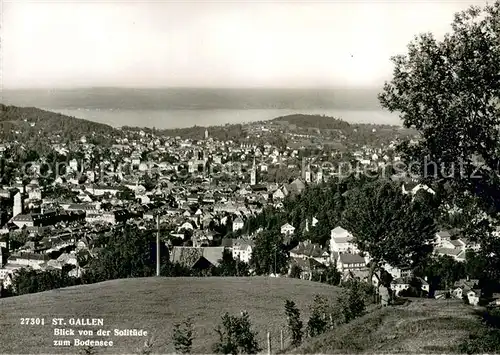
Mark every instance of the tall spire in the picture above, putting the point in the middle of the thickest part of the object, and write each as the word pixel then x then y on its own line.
pixel 253 173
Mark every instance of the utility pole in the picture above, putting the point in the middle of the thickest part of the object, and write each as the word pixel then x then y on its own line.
pixel 276 247
pixel 158 245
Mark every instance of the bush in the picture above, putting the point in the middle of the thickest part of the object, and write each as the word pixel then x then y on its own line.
pixel 318 321
pixel 465 298
pixel 295 272
pixel 294 322
pixel 483 341
pixel 352 301
pixel 183 336
pixel 487 338
pixel 236 336
pixel 332 276
pixel 147 348
pixel 88 350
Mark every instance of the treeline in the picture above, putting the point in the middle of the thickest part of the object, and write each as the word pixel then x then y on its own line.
pixel 127 252
pixel 325 202
pixel 131 252
pixel 314 121
pixel 24 123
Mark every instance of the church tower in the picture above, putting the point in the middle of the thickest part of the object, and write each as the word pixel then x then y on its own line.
pixel 253 174
pixel 319 176
pixel 308 174
pixel 18 204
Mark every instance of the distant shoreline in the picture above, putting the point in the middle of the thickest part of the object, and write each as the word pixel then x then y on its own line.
pixel 185 118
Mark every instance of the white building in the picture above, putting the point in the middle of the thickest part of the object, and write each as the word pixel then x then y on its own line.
pixel 253 174
pixel 308 175
pixel 18 204
pixel 347 262
pixel 73 164
pixel 287 229
pixel 238 224
pixel 341 241
pixel 319 176
pixel 242 249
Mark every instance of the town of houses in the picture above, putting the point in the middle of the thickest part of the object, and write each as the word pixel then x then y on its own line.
pixel 195 184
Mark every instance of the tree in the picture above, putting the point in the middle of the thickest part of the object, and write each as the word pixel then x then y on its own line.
pixel 231 267
pixel 448 90
pixel 294 322
pixel 128 252
pixel 475 264
pixel 125 193
pixel 351 301
pixel 318 321
pixel 269 254
pixel 441 271
pixel 332 275
pixel 236 336
pixel 388 226
pixel 183 336
pixel 27 280
pixel 295 271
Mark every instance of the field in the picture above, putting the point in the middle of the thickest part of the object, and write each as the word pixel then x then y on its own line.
pixel 422 326
pixel 153 304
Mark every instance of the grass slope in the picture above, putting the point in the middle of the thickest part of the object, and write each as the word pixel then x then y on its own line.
pixel 422 326
pixel 155 304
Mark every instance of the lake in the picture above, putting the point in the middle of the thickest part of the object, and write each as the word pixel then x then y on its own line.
pixel 181 118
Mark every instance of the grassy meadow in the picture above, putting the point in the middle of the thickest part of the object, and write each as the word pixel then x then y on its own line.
pixel 421 326
pixel 154 304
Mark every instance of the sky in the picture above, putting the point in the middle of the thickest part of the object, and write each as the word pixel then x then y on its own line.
pixel 53 44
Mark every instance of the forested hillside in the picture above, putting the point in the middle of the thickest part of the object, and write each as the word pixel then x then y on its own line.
pixel 325 202
pixel 314 121
pixel 25 123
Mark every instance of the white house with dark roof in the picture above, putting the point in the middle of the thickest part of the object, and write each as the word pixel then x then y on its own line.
pixel 22 220
pixel 308 250
pixel 287 229
pixel 453 246
pixel 347 262
pixel 457 254
pixel 441 236
pixel 403 283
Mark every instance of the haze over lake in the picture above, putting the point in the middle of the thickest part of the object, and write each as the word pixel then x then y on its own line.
pixel 186 107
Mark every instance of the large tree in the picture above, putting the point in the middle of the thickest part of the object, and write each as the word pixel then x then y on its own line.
pixel 128 252
pixel 448 89
pixel 269 254
pixel 388 225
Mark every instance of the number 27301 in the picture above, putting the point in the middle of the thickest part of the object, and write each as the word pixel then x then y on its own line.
pixel 32 321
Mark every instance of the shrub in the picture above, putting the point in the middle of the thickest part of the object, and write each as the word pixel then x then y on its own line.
pixel 352 301
pixel 465 298
pixel 183 336
pixel 147 348
pixel 236 336
pixel 88 350
pixel 294 322
pixel 481 342
pixel 295 271
pixel 318 321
